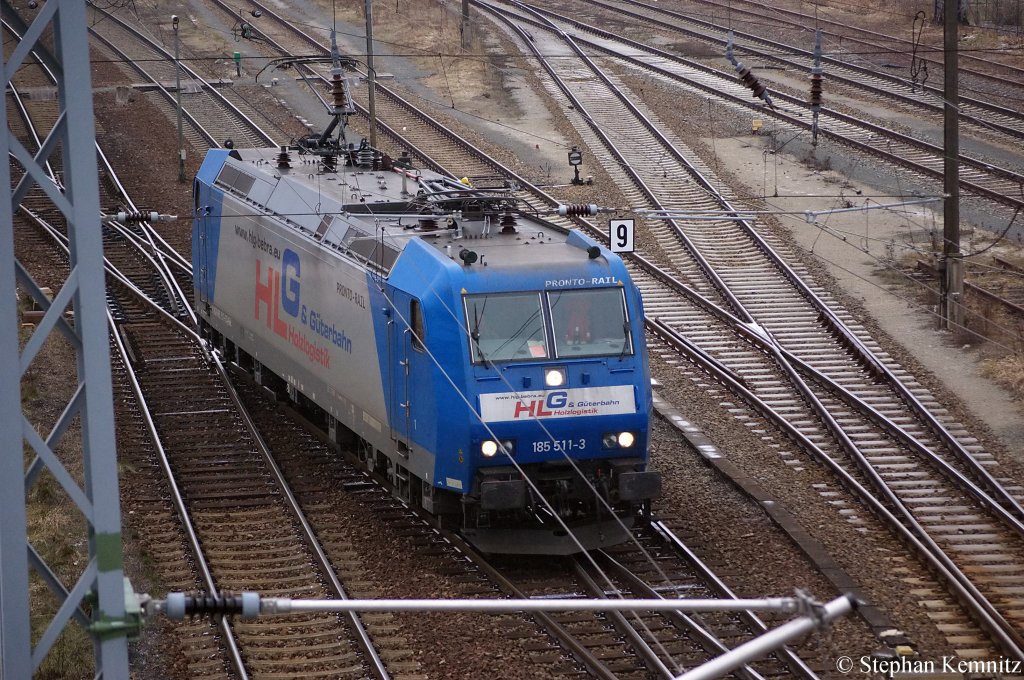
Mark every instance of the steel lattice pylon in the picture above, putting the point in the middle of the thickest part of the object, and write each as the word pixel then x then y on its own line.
pixel 63 23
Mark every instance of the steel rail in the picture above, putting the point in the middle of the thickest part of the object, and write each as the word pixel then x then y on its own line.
pixel 322 559
pixel 934 173
pixel 309 536
pixel 569 642
pixel 978 469
pixel 23 112
pixel 224 623
pixel 707 639
pixel 1002 503
pixel 175 295
pixel 176 498
pixel 628 630
pixel 114 273
pixel 705 267
pixel 797 101
pixel 1018 72
pixel 169 285
pixel 209 89
pixel 828 316
pixel 203 132
pixel 784 49
pixel 62 239
pixel 793 660
pixel 1009 639
pixel 165 251
pixel 160 263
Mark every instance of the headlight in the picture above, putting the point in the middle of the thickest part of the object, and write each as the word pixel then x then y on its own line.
pixel 623 440
pixel 554 377
pixel 490 448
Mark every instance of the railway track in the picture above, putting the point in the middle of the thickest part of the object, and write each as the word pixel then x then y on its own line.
pixel 943 614
pixel 998 79
pixel 978 117
pixel 734 271
pixel 210 116
pixel 933 491
pixel 696 276
pixel 229 500
pixel 230 504
pixel 608 646
pixel 999 186
pixel 305 450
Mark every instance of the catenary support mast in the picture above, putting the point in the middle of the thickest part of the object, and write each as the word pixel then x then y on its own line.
pixel 63 24
pixel 952 285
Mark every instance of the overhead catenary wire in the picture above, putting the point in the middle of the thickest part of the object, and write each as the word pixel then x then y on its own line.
pixel 458 318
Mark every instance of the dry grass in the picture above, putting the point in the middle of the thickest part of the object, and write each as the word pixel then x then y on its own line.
pixel 985 320
pixel 992 24
pixel 1007 371
pixel 56 528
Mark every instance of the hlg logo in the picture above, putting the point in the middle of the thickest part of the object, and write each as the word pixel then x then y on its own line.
pixel 538 408
pixel 557 399
pixel 280 291
pixel 291 268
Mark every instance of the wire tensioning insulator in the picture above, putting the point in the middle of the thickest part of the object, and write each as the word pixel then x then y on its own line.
pixel 816 88
pixel 337 89
pixel 751 81
pixel 578 209
pixel 180 605
pixel 137 217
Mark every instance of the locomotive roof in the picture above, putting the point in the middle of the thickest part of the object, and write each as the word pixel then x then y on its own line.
pixel 373 214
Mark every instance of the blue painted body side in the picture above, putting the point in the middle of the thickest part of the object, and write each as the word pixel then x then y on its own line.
pixel 205 228
pixel 437 419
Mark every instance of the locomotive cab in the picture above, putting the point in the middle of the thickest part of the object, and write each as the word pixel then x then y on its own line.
pixel 551 387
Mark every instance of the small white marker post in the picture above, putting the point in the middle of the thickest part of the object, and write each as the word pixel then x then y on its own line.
pixel 620 235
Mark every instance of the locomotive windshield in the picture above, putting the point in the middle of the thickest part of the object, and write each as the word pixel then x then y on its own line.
pixel 507 327
pixel 589 323
pixel 514 326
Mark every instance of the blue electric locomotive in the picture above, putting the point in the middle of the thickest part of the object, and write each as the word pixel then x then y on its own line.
pixel 490 366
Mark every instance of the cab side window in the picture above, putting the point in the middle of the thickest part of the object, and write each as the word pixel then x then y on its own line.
pixel 416 325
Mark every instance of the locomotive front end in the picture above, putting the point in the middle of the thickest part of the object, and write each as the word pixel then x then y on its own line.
pixel 559 371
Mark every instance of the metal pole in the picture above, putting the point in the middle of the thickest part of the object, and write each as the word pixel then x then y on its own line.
pixel 762 645
pixel 102 582
pixel 952 284
pixel 248 604
pixel 464 26
pixel 372 80
pixel 177 92
pixel 15 632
